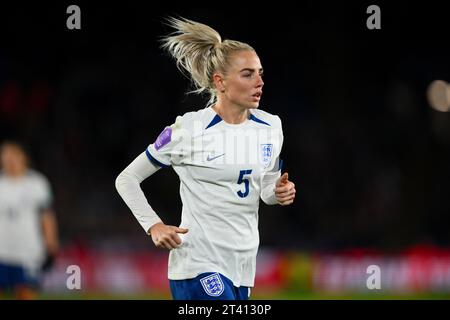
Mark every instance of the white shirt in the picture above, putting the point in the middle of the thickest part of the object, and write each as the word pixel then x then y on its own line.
pixel 222 168
pixel 22 201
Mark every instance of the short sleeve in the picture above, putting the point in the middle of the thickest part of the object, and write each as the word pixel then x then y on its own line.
pixel 277 142
pixel 169 147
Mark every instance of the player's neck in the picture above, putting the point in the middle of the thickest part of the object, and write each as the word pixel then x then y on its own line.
pixel 15 173
pixel 231 113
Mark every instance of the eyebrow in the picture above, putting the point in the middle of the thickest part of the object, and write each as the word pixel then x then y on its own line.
pixel 252 70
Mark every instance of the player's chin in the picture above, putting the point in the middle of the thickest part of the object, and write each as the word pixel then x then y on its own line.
pixel 253 105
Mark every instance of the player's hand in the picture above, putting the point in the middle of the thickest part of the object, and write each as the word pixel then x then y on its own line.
pixel 284 190
pixel 165 236
pixel 48 263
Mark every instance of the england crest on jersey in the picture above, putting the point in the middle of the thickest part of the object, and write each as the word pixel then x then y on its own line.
pixel 266 154
pixel 213 285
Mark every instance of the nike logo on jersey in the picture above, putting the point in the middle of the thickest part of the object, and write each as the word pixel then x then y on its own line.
pixel 212 158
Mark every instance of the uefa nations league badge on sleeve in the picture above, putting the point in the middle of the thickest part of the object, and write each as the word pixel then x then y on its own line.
pixel 164 138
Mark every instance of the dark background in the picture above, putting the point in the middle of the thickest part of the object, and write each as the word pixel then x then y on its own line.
pixel 369 157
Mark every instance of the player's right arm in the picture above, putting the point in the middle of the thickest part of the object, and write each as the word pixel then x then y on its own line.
pixel 128 185
pixel 167 147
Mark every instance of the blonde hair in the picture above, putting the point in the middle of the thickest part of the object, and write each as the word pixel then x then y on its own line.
pixel 200 52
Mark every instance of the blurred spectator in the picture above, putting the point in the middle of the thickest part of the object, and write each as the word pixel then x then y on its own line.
pixel 28 228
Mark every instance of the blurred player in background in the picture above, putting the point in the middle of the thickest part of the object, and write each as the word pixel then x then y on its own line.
pixel 28 228
pixel 213 251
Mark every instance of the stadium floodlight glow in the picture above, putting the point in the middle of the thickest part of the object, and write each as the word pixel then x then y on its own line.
pixel 438 94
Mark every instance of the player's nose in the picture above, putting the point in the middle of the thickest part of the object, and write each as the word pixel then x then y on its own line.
pixel 259 82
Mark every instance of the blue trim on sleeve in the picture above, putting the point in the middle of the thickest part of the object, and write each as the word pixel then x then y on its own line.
pixel 154 161
pixel 280 165
pixel 252 117
pixel 214 121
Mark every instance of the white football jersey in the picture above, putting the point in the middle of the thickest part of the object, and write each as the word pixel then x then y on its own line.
pixel 21 203
pixel 220 166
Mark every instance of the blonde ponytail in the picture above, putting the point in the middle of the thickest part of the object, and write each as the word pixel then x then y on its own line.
pixel 199 51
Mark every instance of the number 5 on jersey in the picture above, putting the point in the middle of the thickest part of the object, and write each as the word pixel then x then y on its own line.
pixel 241 179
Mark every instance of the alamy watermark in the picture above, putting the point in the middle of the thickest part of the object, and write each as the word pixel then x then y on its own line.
pixel 374 278
pixel 73 281
pixel 74 20
pixel 374 20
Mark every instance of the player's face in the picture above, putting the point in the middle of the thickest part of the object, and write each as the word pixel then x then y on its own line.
pixel 243 81
pixel 13 160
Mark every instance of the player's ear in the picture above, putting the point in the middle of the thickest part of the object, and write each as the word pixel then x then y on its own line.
pixel 219 80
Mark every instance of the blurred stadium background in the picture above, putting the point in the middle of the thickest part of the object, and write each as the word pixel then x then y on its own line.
pixel 367 140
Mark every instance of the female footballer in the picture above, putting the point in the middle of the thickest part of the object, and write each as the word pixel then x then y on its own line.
pixel 227 158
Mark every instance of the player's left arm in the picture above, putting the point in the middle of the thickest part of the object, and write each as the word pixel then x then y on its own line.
pixel 50 231
pixel 276 188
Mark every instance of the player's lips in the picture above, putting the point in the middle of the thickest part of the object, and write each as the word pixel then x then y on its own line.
pixel 257 96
